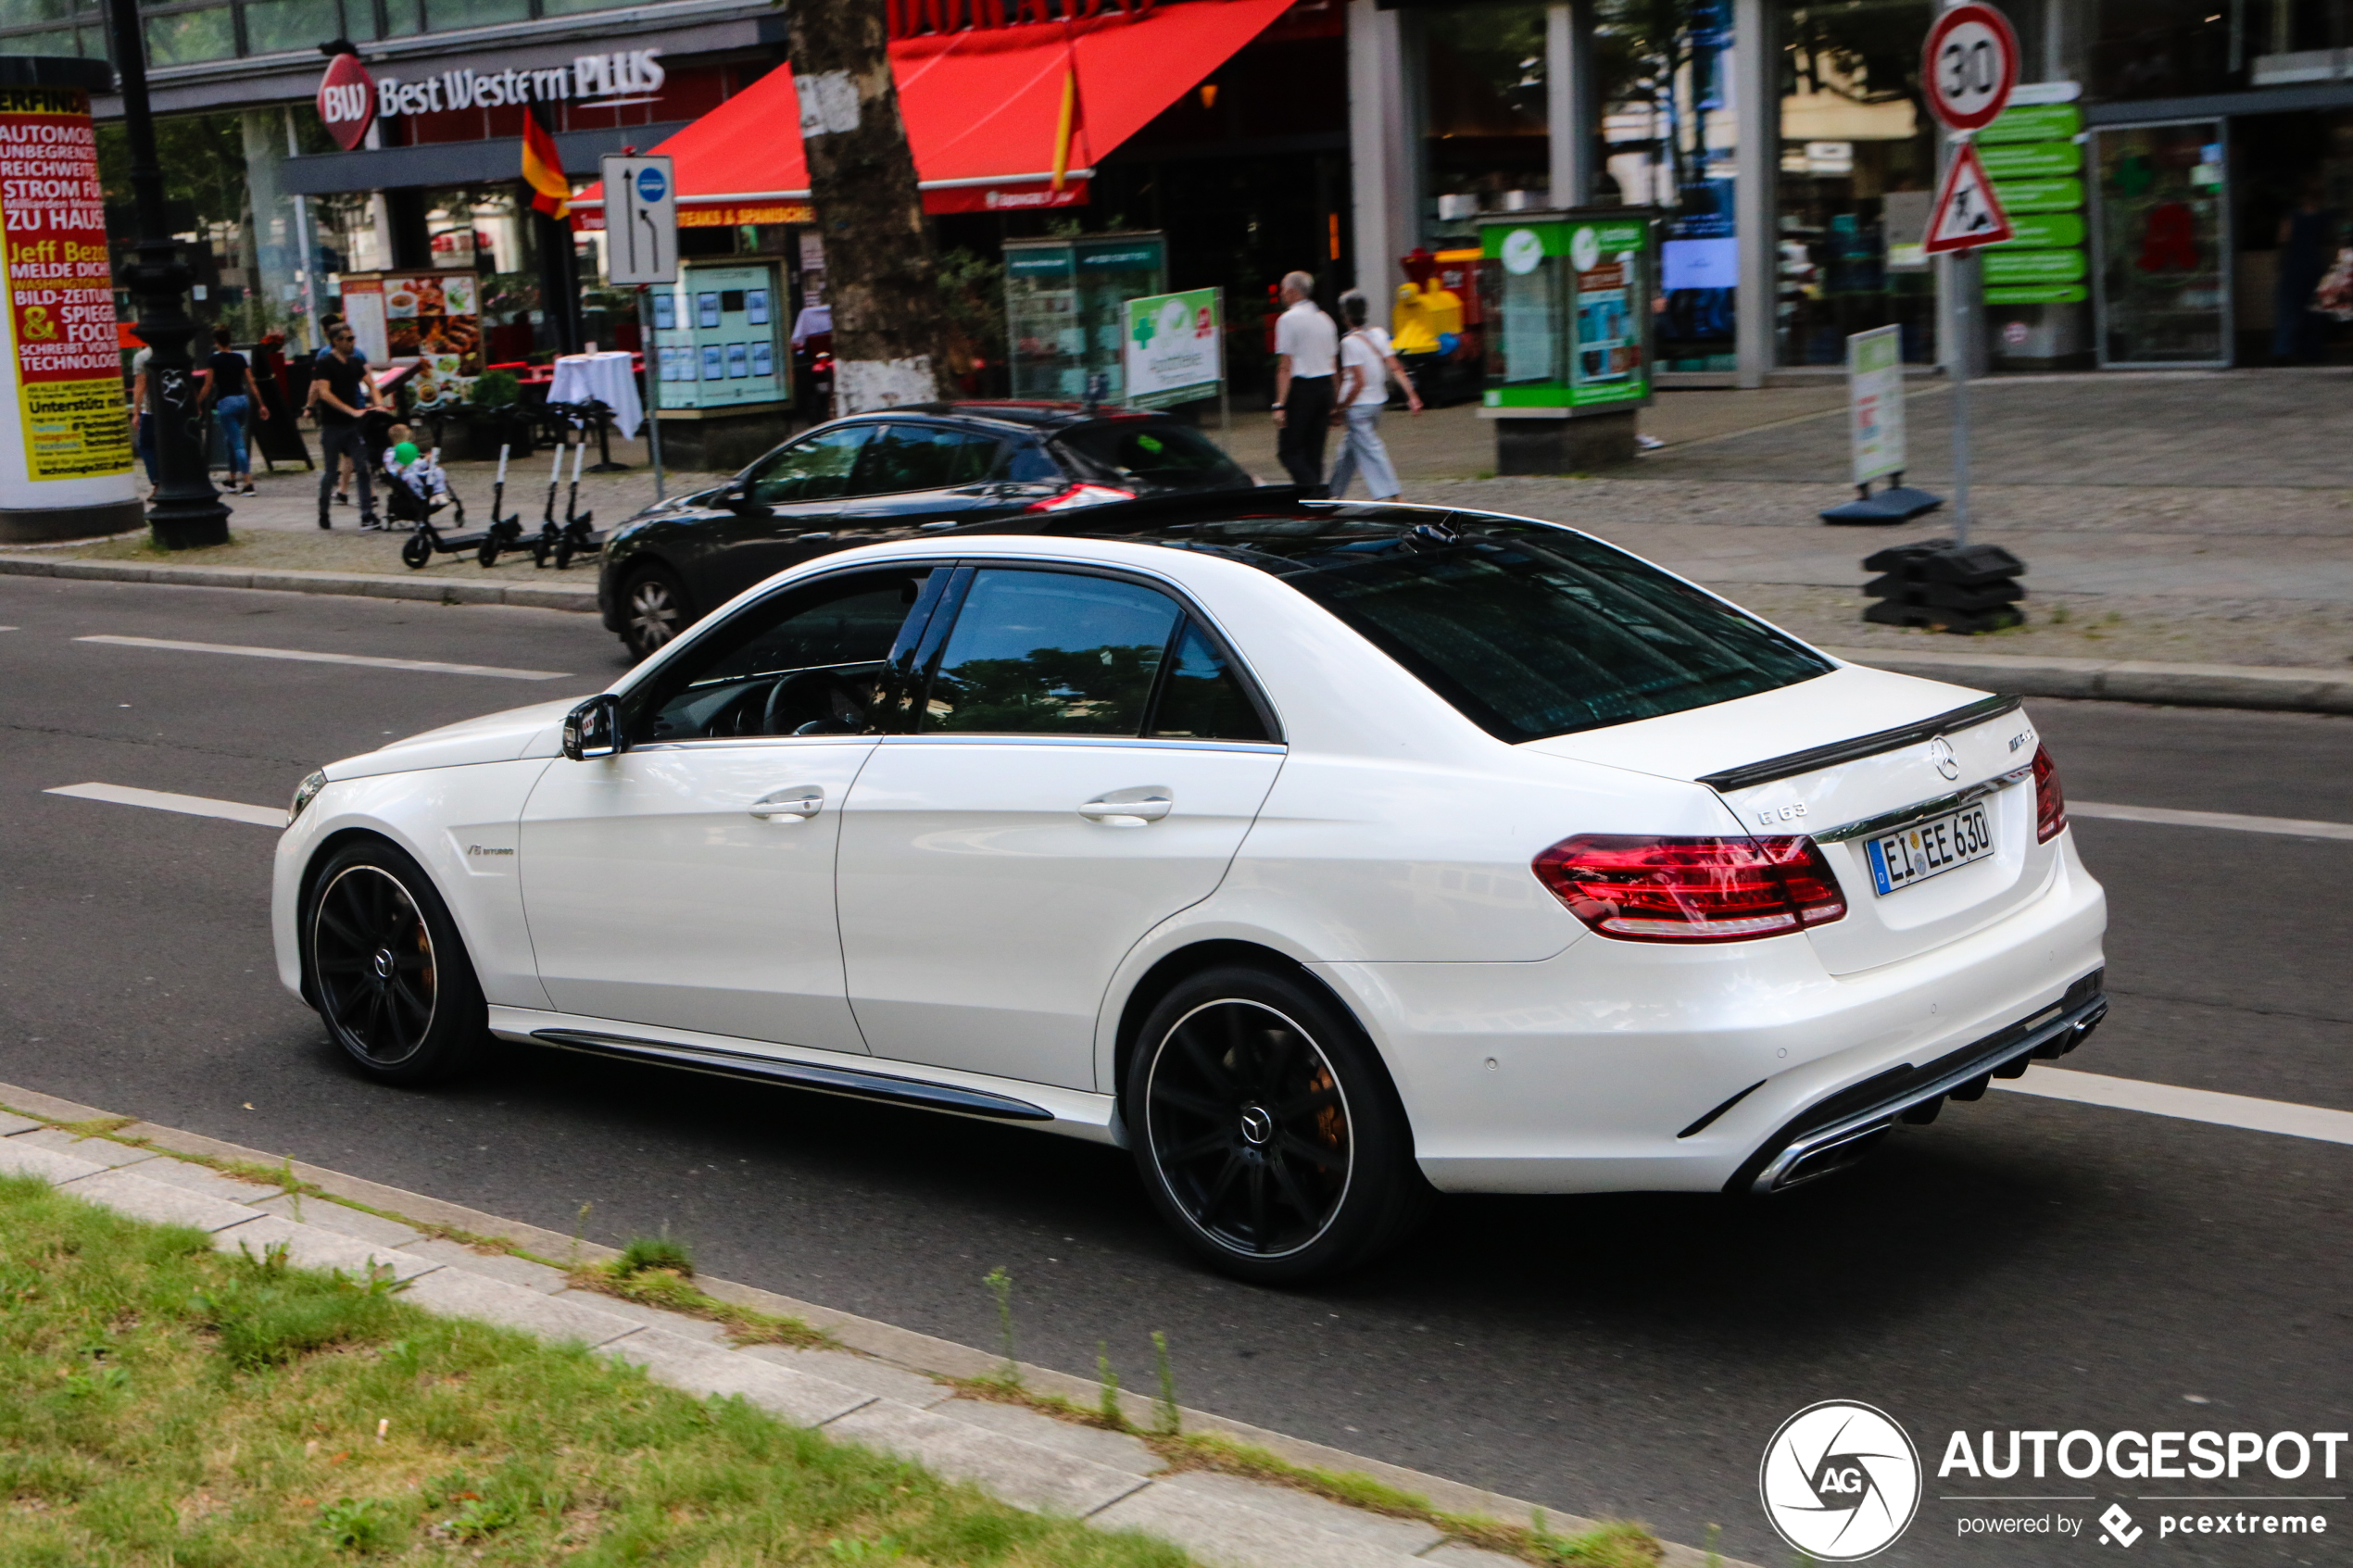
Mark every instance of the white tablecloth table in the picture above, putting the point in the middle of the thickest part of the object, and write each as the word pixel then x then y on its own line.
pixel 605 377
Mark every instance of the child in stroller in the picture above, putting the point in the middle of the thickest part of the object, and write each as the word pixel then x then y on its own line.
pixel 418 486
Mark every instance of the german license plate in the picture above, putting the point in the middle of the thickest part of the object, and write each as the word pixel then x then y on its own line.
pixel 1929 848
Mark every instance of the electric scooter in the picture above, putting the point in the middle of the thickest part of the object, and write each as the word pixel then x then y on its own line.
pixel 505 535
pixel 576 537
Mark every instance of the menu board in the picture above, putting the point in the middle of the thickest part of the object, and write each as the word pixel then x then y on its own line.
pixel 435 316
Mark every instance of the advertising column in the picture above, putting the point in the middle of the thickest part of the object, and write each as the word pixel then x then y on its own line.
pixel 65 447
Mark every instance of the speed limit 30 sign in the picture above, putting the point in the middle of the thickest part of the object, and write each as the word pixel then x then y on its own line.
pixel 1971 65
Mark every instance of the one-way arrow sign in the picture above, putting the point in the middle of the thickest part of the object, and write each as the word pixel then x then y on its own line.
pixel 1966 212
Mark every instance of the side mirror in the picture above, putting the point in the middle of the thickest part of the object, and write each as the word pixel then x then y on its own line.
pixel 592 729
pixel 736 495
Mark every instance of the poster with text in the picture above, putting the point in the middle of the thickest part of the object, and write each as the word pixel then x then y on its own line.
pixel 67 369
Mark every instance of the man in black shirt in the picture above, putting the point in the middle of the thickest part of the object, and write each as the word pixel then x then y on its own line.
pixel 341 392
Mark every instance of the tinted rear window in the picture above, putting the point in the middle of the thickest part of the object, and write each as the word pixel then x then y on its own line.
pixel 1151 458
pixel 1534 632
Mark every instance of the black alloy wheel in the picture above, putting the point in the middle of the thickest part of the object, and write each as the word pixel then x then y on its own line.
pixel 1267 1131
pixel 386 969
pixel 654 610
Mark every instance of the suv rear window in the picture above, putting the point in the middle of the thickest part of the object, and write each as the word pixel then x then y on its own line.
pixel 1150 457
pixel 1533 631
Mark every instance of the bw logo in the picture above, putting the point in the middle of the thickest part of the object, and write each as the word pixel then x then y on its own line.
pixel 1840 1481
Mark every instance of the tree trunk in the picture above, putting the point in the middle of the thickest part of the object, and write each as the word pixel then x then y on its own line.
pixel 891 326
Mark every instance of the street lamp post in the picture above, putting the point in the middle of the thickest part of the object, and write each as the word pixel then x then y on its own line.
pixel 188 512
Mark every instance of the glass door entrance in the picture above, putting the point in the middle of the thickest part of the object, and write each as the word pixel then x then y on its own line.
pixel 2163 231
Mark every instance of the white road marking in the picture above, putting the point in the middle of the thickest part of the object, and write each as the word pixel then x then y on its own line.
pixel 2191 1105
pixel 2049 1082
pixel 431 667
pixel 161 800
pixel 2295 827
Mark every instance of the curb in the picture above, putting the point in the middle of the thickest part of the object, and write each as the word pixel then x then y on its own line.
pixel 2125 680
pixel 373 585
pixel 2188 685
pixel 887 1390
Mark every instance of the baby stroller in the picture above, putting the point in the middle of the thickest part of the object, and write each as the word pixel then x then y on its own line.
pixel 410 509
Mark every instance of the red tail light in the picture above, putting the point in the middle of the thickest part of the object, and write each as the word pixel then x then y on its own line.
pixel 1081 496
pixel 2050 800
pixel 1691 889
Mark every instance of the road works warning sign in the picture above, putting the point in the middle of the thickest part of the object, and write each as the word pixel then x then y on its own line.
pixel 65 370
pixel 1966 213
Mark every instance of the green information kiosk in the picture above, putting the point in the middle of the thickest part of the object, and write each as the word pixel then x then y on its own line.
pixel 1566 296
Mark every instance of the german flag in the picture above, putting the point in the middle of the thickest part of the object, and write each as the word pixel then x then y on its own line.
pixel 542 169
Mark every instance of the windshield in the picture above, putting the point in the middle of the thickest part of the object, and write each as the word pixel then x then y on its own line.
pixel 1529 631
pixel 1151 458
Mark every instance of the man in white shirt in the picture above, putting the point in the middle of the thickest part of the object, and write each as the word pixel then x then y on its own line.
pixel 1306 355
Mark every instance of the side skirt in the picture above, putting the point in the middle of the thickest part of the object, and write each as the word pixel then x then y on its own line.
pixel 1073 1113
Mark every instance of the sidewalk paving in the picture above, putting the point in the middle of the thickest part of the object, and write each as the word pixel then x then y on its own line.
pixel 2185 516
pixel 888 1390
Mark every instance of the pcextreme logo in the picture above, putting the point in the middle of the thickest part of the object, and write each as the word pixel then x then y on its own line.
pixel 1840 1481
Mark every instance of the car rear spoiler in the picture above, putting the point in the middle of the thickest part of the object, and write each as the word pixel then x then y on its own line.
pixel 1792 763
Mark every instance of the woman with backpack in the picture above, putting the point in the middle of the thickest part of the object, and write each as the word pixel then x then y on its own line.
pixel 1366 366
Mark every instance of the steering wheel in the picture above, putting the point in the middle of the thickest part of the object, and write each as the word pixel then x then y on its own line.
pixel 814 702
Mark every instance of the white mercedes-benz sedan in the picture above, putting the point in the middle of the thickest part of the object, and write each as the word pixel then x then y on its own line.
pixel 1323 858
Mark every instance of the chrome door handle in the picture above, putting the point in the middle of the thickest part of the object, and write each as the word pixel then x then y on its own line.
pixel 1129 808
pixel 797 803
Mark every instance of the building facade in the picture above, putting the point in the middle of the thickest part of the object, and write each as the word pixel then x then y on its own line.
pixel 2182 163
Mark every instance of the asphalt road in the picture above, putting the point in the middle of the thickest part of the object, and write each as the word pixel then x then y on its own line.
pixel 2022 1263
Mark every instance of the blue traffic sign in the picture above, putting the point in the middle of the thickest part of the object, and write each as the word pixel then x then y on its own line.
pixel 651 186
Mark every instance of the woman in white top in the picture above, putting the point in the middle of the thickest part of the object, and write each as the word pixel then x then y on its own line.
pixel 1365 367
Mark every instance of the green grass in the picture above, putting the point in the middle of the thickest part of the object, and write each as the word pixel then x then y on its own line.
pixel 171 1405
pixel 645 1252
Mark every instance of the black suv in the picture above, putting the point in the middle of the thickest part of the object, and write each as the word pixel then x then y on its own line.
pixel 924 469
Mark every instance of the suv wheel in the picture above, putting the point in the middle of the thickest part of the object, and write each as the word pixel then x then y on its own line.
pixel 654 609
pixel 1266 1130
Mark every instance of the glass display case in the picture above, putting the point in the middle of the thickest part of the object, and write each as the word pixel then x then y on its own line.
pixel 1065 304
pixel 1568 298
pixel 719 336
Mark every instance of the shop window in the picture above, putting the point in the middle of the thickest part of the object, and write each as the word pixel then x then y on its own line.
pixel 59 42
pixel 2169 48
pixel 2163 213
pixel 1486 141
pixel 1669 139
pixel 403 18
pixel 185 37
pixel 273 26
pixel 566 7
pixel 445 15
pixel 1857 164
pixel 32 13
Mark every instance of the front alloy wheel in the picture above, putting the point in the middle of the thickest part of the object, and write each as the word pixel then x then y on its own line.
pixel 1267 1131
pixel 387 972
pixel 653 612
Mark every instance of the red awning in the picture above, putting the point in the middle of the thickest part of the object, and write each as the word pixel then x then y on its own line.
pixel 981 107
